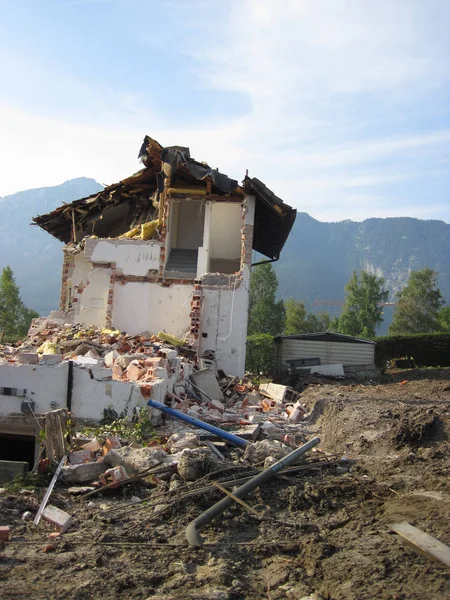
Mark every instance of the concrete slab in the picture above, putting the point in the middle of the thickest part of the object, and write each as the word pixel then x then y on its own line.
pixel 9 469
pixel 206 381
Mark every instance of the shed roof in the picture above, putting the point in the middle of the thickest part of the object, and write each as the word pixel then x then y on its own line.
pixel 134 200
pixel 326 336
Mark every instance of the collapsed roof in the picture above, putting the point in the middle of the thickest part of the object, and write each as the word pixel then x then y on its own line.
pixel 120 207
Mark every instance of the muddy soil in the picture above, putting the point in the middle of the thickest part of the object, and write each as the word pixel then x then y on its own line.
pixel 325 532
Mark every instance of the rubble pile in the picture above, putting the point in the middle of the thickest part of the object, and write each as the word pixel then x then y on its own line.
pixel 145 358
pixel 100 346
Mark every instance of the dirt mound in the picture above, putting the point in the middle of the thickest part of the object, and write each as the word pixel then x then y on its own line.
pixel 419 428
pixel 325 531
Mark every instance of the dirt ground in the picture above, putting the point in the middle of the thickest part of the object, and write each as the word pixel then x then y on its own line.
pixel 326 534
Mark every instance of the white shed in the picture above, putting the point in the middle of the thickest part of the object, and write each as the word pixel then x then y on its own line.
pixel 307 349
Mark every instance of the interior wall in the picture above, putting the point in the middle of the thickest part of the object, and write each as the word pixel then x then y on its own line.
pixel 132 257
pixel 146 306
pixel 190 217
pixel 226 224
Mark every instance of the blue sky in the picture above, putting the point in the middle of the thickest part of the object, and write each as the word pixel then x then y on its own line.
pixel 340 106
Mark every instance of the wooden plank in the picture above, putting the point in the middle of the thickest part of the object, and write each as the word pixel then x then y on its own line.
pixel 422 542
pixel 37 518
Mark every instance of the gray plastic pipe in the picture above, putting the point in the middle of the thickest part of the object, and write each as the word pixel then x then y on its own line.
pixel 229 437
pixel 192 534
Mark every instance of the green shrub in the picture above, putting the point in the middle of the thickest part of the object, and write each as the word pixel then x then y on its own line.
pixel 260 358
pixel 426 349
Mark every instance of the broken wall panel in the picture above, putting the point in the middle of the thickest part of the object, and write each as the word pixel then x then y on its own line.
pixel 224 326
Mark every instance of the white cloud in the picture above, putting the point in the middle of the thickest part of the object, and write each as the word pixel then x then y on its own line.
pixel 335 89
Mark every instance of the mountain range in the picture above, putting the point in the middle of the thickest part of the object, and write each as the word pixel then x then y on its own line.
pixel 317 261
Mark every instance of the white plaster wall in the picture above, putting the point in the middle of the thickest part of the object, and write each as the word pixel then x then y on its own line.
pixel 89 307
pixel 149 306
pixel 188 224
pixel 92 303
pixel 225 232
pixel 224 320
pixel 81 270
pixel 93 390
pixel 44 385
pixel 203 263
pixel 133 257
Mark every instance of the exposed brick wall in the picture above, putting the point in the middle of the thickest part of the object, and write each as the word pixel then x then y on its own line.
pixel 67 270
pixel 196 310
pixel 247 244
pixel 110 305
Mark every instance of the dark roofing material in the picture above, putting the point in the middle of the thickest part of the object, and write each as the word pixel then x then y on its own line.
pixel 326 336
pixel 273 219
pixel 137 197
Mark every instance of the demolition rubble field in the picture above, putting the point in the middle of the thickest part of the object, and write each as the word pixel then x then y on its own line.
pixel 321 532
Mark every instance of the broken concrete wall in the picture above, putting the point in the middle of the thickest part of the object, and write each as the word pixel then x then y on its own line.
pixel 93 391
pixel 224 322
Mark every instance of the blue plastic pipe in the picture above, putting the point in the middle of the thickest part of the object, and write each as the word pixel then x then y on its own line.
pixel 229 437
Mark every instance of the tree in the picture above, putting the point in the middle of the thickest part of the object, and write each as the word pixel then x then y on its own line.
pixel 444 318
pixel 15 317
pixel 418 305
pixel 363 306
pixel 260 357
pixel 265 314
pixel 300 321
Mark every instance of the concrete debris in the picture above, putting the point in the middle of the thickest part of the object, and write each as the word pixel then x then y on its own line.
pixel 81 456
pixel 114 477
pixel 137 460
pixel 194 464
pixel 83 472
pixel 60 520
pixel 258 452
pixel 180 441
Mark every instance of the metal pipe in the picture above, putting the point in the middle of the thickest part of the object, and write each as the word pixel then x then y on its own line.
pixel 229 437
pixel 192 534
pixel 69 386
pixel 264 262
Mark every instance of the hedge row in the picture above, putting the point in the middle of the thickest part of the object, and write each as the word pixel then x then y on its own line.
pixel 426 349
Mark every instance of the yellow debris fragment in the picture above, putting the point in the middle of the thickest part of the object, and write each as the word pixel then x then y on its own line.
pixel 172 339
pixel 48 348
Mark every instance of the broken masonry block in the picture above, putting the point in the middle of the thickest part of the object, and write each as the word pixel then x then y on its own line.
pixel 248 432
pixel 5 533
pixel 28 358
pixel 94 445
pixel 134 372
pixel 117 373
pixel 81 456
pixel 110 358
pixel 160 373
pixel 51 359
pixel 114 477
pixel 60 520
pixel 110 443
pixel 83 472
pixel 218 405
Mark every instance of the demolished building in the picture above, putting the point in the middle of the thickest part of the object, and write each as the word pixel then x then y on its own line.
pixel 169 249
pixel 165 254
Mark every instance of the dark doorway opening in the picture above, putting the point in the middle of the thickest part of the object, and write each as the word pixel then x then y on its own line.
pixel 17 447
